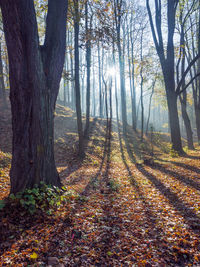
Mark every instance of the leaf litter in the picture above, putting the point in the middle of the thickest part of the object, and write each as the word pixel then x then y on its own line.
pixel 120 212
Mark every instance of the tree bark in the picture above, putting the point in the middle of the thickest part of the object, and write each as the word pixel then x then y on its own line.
pixel 167 64
pixel 149 110
pixel 2 84
pixel 173 119
pixel 35 74
pixel 186 120
pixel 118 16
pixel 100 84
pixel 183 96
pixel 88 63
pixel 77 83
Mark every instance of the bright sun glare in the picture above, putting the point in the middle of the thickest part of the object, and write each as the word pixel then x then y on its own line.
pixel 111 71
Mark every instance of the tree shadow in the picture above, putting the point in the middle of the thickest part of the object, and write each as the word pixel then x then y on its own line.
pixel 105 154
pixel 10 223
pixel 150 216
pixel 102 173
pixel 183 165
pixel 176 175
pixel 191 156
pixel 186 212
pixel 74 162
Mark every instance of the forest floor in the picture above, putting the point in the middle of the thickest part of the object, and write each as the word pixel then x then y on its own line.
pixel 126 207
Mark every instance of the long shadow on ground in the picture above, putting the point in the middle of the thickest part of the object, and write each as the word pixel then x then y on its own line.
pixel 187 213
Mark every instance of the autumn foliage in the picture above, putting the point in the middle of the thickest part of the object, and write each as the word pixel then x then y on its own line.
pixel 121 210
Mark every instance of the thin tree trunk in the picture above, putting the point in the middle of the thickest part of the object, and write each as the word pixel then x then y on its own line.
pixel 73 97
pixel 118 16
pixel 88 63
pixel 149 111
pixel 141 87
pixel 100 90
pixel 77 83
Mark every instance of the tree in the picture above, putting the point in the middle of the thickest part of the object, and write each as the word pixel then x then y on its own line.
pixel 167 64
pixel 167 61
pixel 88 62
pixel 183 97
pixel 35 73
pixel 193 49
pixel 118 13
pixel 77 82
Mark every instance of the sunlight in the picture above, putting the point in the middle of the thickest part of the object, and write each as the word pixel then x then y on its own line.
pixel 111 71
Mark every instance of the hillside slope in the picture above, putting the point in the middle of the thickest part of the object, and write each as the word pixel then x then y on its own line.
pixel 124 209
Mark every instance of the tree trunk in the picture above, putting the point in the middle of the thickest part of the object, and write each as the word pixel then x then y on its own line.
pixel 118 17
pixel 77 83
pixel 141 86
pixel 183 97
pixel 73 97
pixel 2 84
pixel 94 88
pixel 122 86
pixel 100 89
pixel 88 63
pixel 198 82
pixel 133 92
pixel 187 123
pixel 167 63
pixel 131 81
pixel 149 110
pixel 174 120
pixel 64 86
pixel 35 75
pixel 197 112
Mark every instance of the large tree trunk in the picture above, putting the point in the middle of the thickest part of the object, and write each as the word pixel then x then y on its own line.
pixel 197 111
pixel 187 123
pixel 35 75
pixel 183 96
pixel 198 87
pixel 174 120
pixel 167 63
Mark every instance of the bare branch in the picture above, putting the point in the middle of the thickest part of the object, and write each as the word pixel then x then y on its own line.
pixel 185 73
pixel 198 74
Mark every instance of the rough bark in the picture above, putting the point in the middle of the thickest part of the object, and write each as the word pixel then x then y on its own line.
pixel 35 74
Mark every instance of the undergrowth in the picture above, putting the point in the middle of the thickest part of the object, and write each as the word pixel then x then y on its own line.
pixel 43 198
